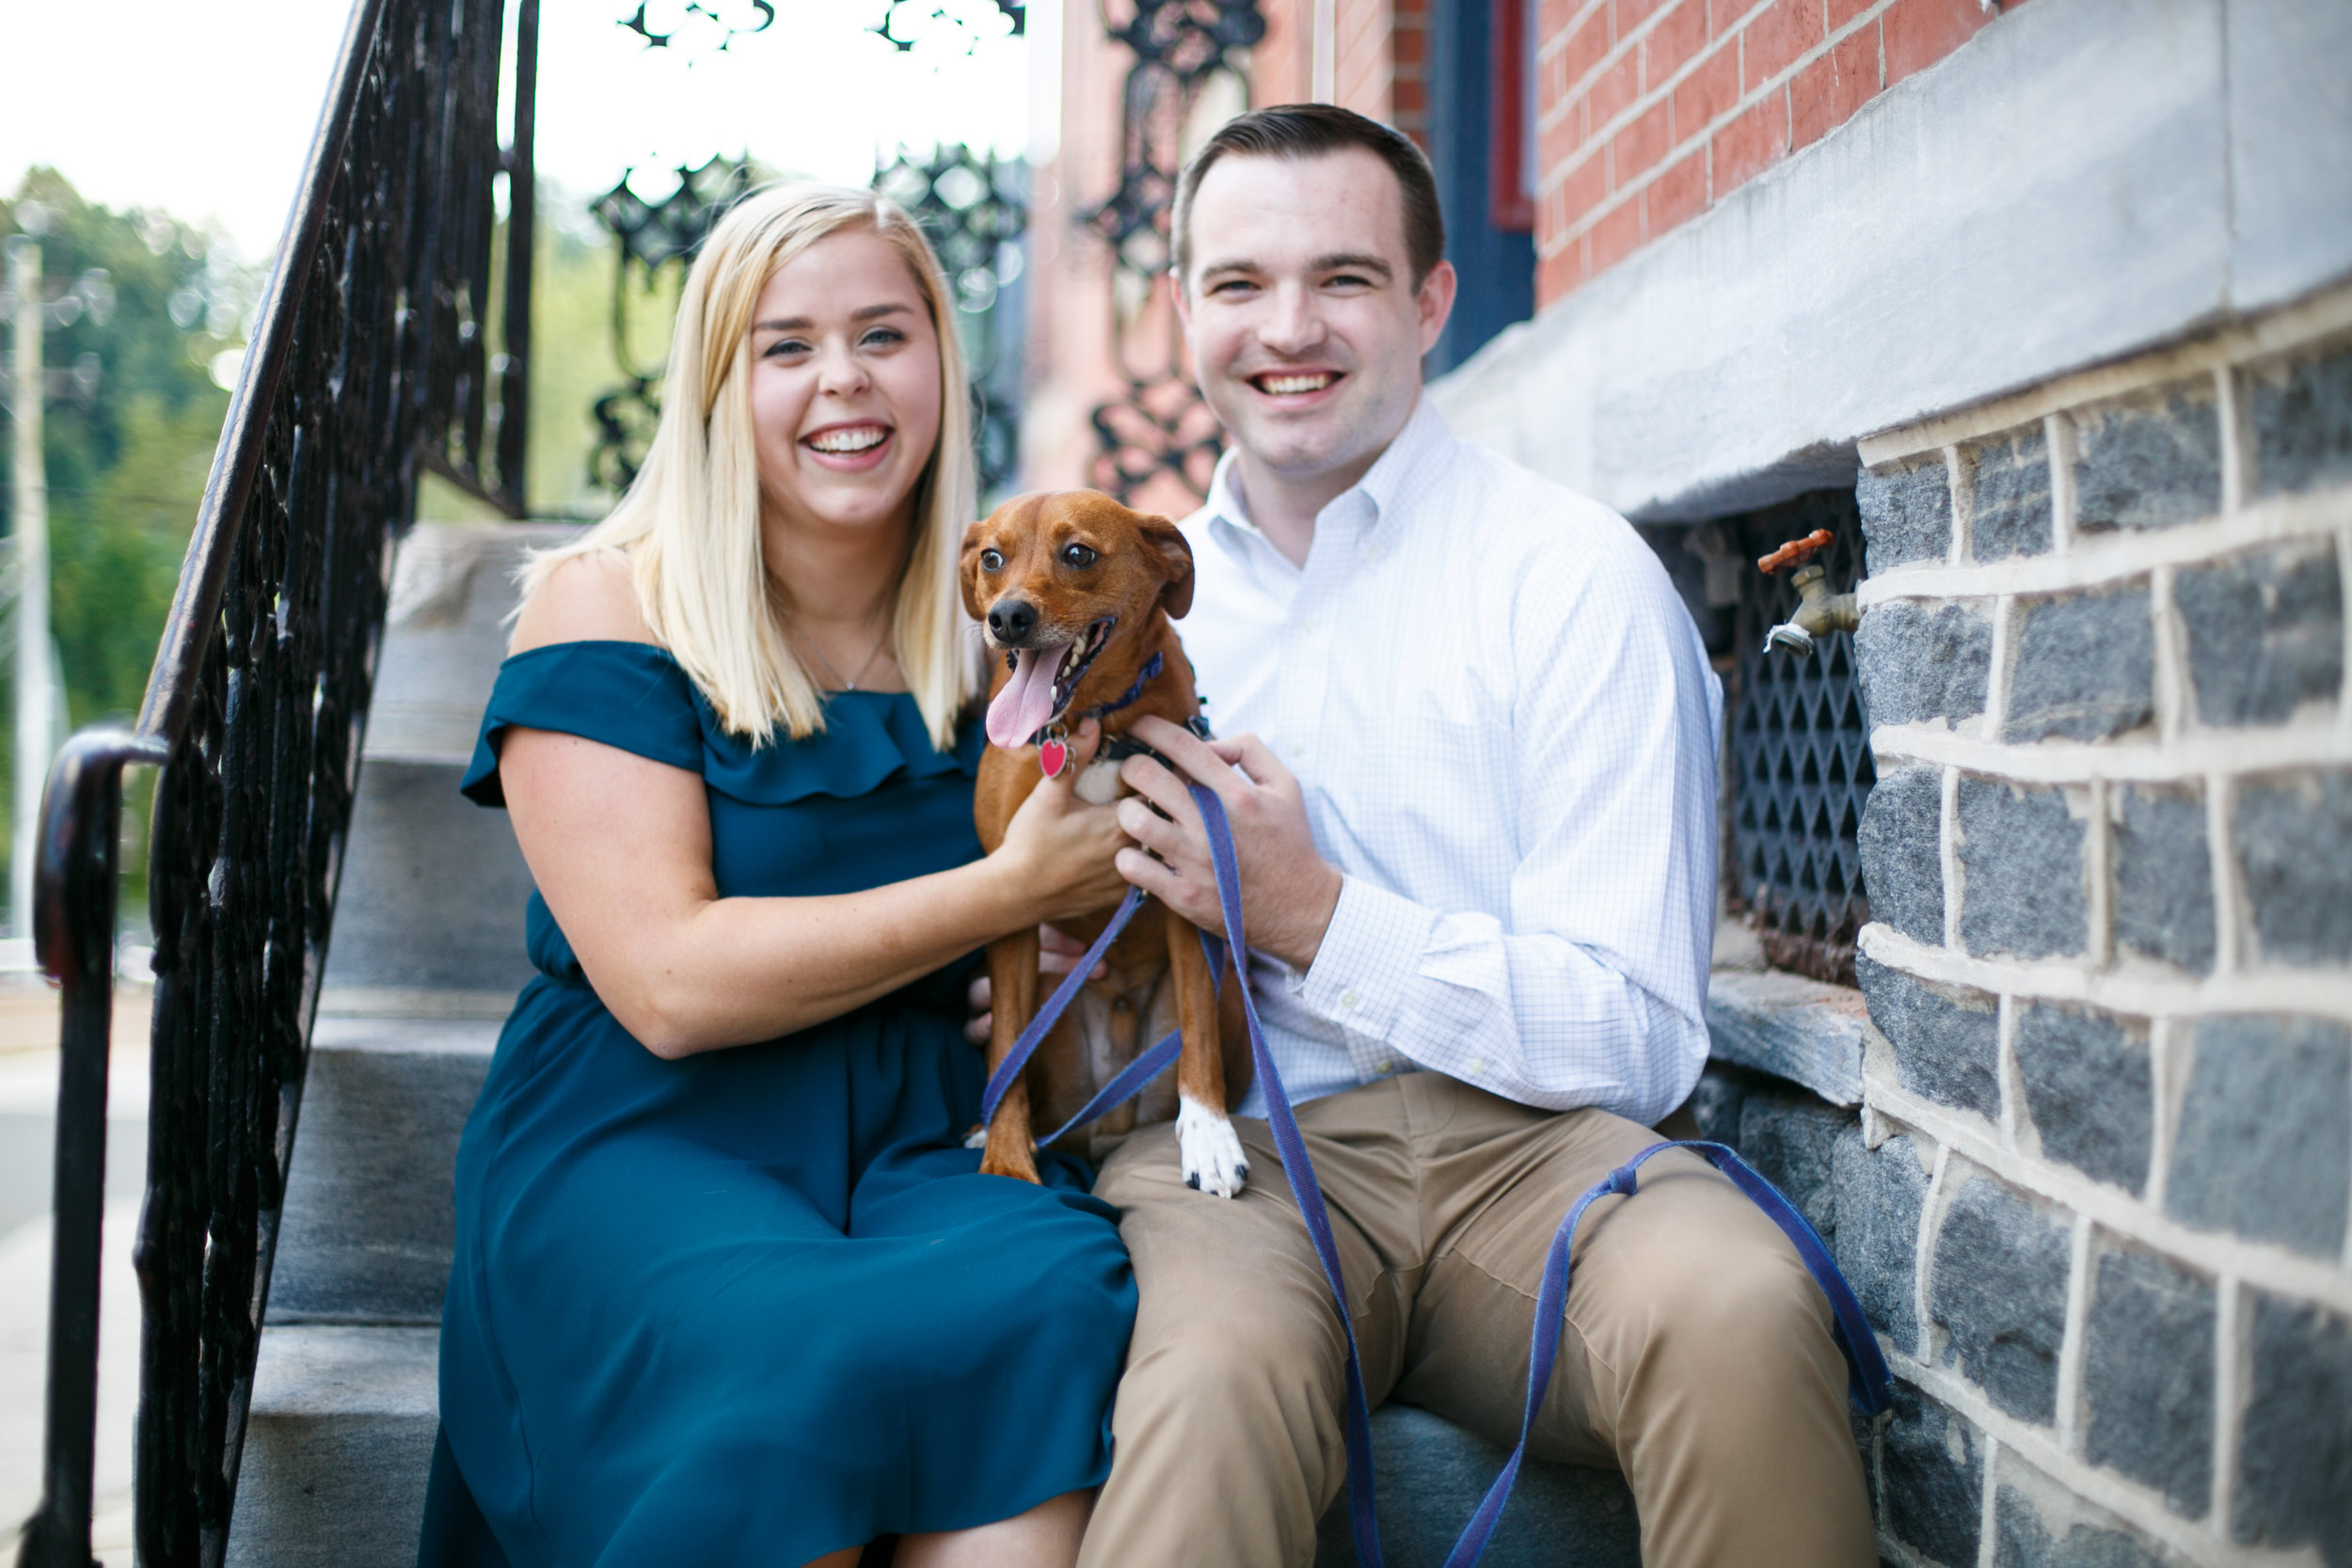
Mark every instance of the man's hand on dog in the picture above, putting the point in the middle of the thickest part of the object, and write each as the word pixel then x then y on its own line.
pixel 1288 890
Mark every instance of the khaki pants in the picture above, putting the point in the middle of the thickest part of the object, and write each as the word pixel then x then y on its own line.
pixel 1696 1357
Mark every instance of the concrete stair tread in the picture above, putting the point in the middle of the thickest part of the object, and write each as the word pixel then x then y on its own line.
pixel 1430 1476
pixel 338 1444
pixel 369 1226
pixel 427 1035
pixel 311 1372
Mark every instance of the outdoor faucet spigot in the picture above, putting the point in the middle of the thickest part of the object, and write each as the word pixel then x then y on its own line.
pixel 1789 638
pixel 1818 611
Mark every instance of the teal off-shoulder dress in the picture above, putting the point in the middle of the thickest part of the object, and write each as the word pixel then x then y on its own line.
pixel 757 1305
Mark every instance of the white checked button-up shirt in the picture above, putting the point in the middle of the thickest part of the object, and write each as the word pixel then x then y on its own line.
pixel 1505 726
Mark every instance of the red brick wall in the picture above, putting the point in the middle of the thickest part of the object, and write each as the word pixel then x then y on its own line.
pixel 1653 110
pixel 1408 49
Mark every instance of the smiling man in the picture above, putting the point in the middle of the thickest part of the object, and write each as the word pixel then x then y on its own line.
pixel 1475 809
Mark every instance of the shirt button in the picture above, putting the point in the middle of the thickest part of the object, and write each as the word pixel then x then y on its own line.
pixel 1348 1000
pixel 1476 1064
pixel 1383 1068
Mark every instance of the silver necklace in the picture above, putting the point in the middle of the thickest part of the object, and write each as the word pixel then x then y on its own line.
pixel 826 664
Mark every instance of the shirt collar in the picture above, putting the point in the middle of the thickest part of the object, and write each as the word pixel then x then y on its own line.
pixel 1394 476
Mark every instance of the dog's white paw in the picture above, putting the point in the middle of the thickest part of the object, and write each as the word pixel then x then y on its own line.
pixel 978 1137
pixel 1099 784
pixel 1210 1150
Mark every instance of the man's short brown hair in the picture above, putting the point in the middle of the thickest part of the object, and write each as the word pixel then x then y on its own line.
pixel 1315 131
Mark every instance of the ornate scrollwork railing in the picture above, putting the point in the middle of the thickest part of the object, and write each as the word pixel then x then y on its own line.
pixel 647 237
pixel 975 208
pixel 373 362
pixel 1158 426
pixel 928 14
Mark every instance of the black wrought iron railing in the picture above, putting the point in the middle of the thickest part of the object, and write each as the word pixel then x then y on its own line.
pixel 373 360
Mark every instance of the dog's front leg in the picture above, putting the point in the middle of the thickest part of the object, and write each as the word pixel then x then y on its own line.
pixel 1206 1143
pixel 1012 983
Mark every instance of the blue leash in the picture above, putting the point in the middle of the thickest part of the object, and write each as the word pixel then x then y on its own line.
pixel 1026 1045
pixel 1868 1379
pixel 1131 1078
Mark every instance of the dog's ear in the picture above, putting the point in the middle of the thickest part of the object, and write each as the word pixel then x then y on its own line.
pixel 968 571
pixel 1166 541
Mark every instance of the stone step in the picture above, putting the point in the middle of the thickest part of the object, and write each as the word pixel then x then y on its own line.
pixel 1430 1475
pixel 429 914
pixel 431 904
pixel 337 1445
pixel 341 1438
pixel 367 1231
pixel 445 634
pixel 426 956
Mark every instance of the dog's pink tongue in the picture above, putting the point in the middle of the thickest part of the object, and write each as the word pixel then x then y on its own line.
pixel 1026 705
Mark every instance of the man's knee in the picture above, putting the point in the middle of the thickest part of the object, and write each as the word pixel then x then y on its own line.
pixel 1244 1347
pixel 1234 1320
pixel 1701 1277
pixel 1125 1176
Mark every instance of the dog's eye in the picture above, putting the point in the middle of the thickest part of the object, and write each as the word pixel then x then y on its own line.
pixel 991 561
pixel 1077 555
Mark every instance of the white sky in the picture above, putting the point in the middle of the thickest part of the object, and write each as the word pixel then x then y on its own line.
pixel 205 107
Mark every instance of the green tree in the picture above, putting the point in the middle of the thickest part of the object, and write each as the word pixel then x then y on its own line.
pixel 573 362
pixel 126 467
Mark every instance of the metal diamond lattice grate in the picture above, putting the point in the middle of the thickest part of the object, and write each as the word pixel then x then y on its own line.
pixel 1799 755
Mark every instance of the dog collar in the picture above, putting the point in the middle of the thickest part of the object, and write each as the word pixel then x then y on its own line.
pixel 1052 741
pixel 1104 710
pixel 1118 748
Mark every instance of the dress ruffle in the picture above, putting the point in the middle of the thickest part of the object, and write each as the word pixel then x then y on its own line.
pixel 634 696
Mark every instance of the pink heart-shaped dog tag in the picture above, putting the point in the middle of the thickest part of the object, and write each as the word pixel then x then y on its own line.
pixel 1052 758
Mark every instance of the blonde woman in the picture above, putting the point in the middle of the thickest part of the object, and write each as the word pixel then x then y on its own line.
pixel 729 1288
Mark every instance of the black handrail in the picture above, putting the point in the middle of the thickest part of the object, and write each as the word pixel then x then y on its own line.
pixel 74 896
pixel 371 364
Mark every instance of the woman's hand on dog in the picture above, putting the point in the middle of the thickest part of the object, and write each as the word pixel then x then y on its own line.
pixel 1288 890
pixel 1056 857
pixel 1055 954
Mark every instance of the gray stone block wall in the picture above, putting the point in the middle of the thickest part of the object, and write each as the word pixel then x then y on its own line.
pixel 2149 460
pixel 2295 1458
pixel 1925 661
pixel 1914 504
pixel 2098 1202
pixel 1997 1294
pixel 2008 495
pixel 2090 1087
pixel 2164 901
pixel 2148 1389
pixel 2083 668
pixel 2038 1523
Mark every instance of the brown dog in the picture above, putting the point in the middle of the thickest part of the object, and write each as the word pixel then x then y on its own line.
pixel 1075 594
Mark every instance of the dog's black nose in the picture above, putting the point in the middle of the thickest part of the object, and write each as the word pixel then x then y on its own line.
pixel 1010 621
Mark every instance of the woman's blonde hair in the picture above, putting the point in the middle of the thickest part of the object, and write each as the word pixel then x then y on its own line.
pixel 689 524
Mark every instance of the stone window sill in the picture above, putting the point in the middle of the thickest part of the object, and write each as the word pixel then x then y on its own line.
pixel 1793 1028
